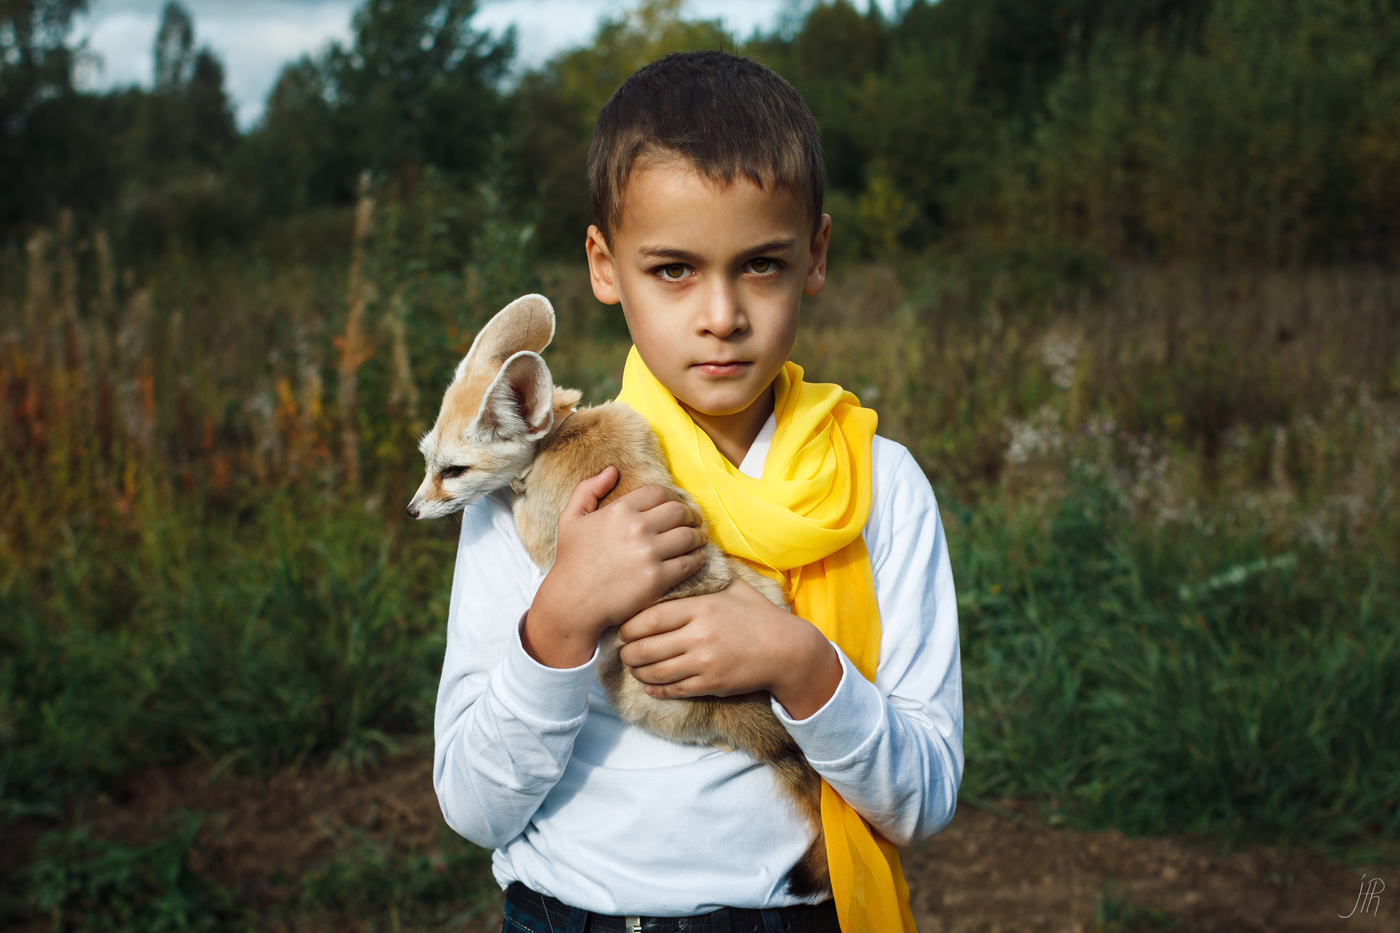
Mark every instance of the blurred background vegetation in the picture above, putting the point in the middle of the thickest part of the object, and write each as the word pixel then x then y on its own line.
pixel 1121 275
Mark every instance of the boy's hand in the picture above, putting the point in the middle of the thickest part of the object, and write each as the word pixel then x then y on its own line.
pixel 728 643
pixel 609 564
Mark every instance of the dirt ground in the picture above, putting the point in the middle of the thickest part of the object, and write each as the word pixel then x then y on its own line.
pixel 992 869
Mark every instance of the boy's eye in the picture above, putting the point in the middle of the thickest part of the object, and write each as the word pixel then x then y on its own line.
pixel 453 472
pixel 674 272
pixel 762 266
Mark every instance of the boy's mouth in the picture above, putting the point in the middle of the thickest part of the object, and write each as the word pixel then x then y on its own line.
pixel 720 367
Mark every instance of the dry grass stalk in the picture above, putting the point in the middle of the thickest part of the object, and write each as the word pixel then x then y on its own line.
pixel 73 339
pixel 101 398
pixel 403 392
pixel 38 302
pixel 106 277
pixel 353 351
pixel 136 390
pixel 310 387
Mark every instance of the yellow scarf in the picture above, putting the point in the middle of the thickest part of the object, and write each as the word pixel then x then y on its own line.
pixel 801 523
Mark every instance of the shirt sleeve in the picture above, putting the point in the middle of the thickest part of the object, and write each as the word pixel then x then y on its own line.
pixel 505 724
pixel 893 748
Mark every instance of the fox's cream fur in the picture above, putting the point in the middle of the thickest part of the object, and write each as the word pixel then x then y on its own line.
pixel 504 423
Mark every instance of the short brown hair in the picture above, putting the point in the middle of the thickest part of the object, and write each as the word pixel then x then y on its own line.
pixel 729 116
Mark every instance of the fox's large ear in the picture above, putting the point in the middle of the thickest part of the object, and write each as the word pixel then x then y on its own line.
pixel 527 323
pixel 520 402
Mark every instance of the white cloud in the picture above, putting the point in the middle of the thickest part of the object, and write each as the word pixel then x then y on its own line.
pixel 255 49
pixel 123 41
pixel 254 38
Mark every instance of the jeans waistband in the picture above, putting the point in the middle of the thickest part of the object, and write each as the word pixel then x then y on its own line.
pixel 558 916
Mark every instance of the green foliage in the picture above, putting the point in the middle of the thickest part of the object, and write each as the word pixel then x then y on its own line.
pixel 1193 130
pixel 504 263
pixel 192 120
pixel 376 881
pixel 36 68
pixel 1132 153
pixel 255 646
pixel 834 52
pixel 1114 912
pixel 418 87
pixel 293 157
pixel 79 882
pixel 1257 704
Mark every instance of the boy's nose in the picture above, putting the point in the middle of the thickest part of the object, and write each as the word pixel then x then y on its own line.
pixel 724 311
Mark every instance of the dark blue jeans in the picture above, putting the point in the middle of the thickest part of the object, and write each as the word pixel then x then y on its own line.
pixel 551 916
pixel 518 922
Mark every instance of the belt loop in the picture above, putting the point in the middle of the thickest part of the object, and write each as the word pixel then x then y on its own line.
pixel 719 921
pixel 772 921
pixel 578 920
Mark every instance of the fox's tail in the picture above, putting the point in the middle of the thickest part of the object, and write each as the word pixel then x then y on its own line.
pixel 811 875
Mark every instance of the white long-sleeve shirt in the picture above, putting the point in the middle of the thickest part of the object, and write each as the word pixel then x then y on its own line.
pixel 532 761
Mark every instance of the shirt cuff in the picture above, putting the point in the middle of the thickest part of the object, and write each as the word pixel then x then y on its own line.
pixel 844 723
pixel 544 694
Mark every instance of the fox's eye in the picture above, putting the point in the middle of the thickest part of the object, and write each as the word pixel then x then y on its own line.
pixel 453 472
pixel 673 272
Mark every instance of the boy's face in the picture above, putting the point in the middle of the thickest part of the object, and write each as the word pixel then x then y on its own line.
pixel 710 278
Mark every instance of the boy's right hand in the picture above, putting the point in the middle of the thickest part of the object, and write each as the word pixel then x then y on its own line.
pixel 609 564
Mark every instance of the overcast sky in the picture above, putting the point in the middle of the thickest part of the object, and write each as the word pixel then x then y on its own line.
pixel 255 38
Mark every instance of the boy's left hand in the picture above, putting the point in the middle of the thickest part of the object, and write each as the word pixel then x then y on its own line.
pixel 728 643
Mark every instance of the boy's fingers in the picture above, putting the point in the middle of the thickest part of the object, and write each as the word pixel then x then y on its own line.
pixel 664 672
pixel 654 620
pixel 646 498
pixel 678 542
pixel 648 653
pixel 676 569
pixel 668 515
pixel 587 493
pixel 683 689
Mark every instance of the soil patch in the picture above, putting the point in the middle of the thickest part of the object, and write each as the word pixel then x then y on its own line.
pixel 989 873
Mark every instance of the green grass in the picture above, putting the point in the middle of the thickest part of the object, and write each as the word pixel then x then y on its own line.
pixel 1258 706
pixel 387 886
pixel 1114 912
pixel 256 644
pixel 78 882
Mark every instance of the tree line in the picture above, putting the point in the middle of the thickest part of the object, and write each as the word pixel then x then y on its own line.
pixel 1261 131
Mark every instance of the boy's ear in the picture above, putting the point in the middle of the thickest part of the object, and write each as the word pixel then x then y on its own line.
pixel 520 402
pixel 527 323
pixel 816 269
pixel 602 268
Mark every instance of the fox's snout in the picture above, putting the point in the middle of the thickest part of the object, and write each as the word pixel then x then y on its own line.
pixel 432 501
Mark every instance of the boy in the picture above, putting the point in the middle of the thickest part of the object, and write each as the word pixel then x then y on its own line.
pixel 707 181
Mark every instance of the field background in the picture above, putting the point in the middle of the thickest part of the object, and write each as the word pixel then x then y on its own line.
pixel 1121 276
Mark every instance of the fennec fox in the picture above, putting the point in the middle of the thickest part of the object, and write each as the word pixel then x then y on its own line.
pixel 504 422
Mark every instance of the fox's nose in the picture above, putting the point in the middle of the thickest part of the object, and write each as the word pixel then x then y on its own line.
pixel 412 510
